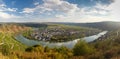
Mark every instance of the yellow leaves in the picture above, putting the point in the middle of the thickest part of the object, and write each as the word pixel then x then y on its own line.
pixel 3 57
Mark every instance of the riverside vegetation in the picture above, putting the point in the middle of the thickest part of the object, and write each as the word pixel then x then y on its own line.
pixel 59 33
pixel 106 47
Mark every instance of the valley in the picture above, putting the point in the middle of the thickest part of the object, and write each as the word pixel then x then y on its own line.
pixel 56 41
pixel 59 29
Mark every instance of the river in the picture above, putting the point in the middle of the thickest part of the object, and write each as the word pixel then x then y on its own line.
pixel 69 44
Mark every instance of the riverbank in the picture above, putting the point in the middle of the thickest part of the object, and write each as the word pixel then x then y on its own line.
pixel 69 44
pixel 59 33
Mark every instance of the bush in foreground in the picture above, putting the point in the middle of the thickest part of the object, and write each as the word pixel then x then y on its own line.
pixel 82 48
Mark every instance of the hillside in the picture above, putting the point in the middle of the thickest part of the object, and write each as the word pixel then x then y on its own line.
pixel 108 25
pixel 28 24
pixel 12 49
pixel 8 43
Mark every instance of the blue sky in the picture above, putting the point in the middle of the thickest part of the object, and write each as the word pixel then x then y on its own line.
pixel 59 10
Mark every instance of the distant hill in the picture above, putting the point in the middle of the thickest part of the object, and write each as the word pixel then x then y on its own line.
pixel 108 25
pixel 36 25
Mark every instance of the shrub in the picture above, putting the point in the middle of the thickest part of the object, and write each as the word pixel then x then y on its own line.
pixel 5 50
pixel 82 48
pixel 35 48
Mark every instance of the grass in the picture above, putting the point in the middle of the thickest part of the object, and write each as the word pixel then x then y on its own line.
pixel 8 40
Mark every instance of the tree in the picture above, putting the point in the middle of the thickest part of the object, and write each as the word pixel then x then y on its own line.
pixel 82 48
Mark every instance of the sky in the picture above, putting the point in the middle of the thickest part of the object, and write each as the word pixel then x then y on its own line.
pixel 59 10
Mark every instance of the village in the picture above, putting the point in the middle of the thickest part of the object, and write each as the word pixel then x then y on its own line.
pixel 47 34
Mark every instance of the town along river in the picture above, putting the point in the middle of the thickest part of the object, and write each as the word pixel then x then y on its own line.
pixel 69 44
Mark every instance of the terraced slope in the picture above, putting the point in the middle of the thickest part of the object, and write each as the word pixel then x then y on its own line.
pixel 7 40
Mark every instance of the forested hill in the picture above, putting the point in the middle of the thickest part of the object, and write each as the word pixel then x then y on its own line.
pixel 29 24
pixel 108 25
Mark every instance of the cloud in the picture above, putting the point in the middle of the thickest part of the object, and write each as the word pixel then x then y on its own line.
pixel 4 15
pixel 3 7
pixel 115 9
pixel 53 5
pixel 4 11
pixel 28 10
pixel 36 3
pixel 64 7
pixel 61 10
